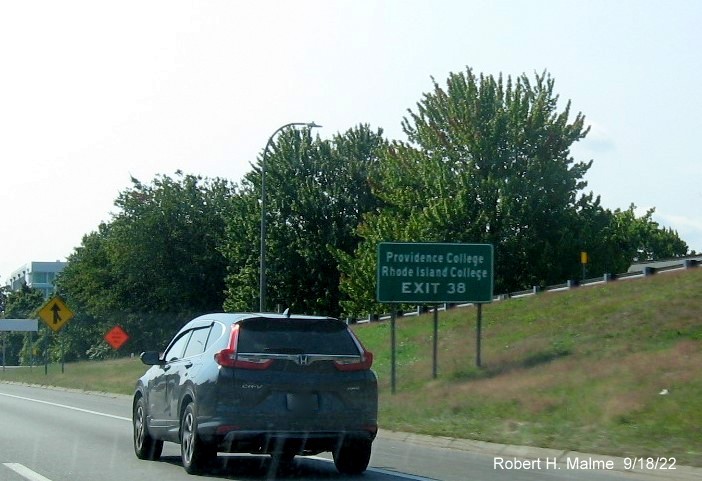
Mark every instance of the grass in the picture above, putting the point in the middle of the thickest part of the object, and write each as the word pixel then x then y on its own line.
pixel 116 376
pixel 581 370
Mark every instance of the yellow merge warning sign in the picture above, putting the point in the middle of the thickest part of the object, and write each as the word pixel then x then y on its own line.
pixel 55 313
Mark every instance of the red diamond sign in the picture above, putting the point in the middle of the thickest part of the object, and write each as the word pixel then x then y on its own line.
pixel 116 337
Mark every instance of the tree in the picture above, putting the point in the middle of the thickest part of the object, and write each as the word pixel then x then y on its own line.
pixel 317 192
pixel 486 161
pixel 156 264
pixel 619 238
pixel 4 294
pixel 20 304
pixel 172 228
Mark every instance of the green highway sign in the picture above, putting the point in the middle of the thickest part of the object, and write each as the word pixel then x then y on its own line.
pixel 433 273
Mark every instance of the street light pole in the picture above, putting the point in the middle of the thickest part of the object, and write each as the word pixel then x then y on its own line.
pixel 262 284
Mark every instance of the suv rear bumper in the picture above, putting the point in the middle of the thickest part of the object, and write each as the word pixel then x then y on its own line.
pixel 230 439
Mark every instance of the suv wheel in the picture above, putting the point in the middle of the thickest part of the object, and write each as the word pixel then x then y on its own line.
pixel 352 457
pixel 195 453
pixel 145 447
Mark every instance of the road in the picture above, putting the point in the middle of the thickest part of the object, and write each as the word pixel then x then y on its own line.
pixel 60 435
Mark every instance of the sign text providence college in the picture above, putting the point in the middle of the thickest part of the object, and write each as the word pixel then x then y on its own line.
pixel 433 273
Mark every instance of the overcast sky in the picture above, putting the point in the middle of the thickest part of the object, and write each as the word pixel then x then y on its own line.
pixel 93 92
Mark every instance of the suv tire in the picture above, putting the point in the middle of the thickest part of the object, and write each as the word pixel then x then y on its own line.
pixel 145 447
pixel 196 454
pixel 353 456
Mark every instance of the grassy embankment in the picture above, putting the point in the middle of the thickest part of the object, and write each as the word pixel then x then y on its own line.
pixel 580 370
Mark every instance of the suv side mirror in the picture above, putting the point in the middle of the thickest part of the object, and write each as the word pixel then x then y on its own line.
pixel 151 358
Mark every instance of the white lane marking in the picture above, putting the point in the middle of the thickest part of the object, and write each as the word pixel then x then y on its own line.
pixel 386 472
pixel 25 472
pixel 73 408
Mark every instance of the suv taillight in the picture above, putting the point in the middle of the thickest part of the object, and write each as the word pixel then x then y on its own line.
pixel 228 357
pixel 364 363
pixel 355 365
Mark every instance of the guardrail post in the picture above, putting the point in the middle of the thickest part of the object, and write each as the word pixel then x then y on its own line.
pixel 573 283
pixel 536 289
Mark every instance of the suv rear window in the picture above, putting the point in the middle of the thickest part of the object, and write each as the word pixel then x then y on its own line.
pixel 296 336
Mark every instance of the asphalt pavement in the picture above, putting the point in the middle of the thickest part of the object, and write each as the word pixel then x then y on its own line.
pixel 64 434
pixel 554 459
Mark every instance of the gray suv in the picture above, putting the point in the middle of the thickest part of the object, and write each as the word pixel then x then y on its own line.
pixel 259 383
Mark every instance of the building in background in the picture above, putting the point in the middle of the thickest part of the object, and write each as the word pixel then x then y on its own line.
pixel 38 275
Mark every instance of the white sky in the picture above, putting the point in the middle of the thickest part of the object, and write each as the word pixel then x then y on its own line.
pixel 92 92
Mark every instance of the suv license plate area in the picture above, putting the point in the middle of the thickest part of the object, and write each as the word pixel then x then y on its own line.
pixel 303 402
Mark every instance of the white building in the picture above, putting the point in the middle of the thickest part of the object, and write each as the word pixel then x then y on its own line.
pixel 39 275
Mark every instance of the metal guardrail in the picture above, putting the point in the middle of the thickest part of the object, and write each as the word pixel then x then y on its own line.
pixel 570 284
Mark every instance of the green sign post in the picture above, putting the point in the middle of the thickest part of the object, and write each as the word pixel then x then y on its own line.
pixel 434 273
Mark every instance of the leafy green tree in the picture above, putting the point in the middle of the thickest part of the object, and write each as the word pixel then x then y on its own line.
pixel 486 161
pixel 651 241
pixel 23 304
pixel 20 304
pixel 87 284
pixel 619 238
pixel 156 264
pixel 165 244
pixel 4 293
pixel 317 192
pixel 241 249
